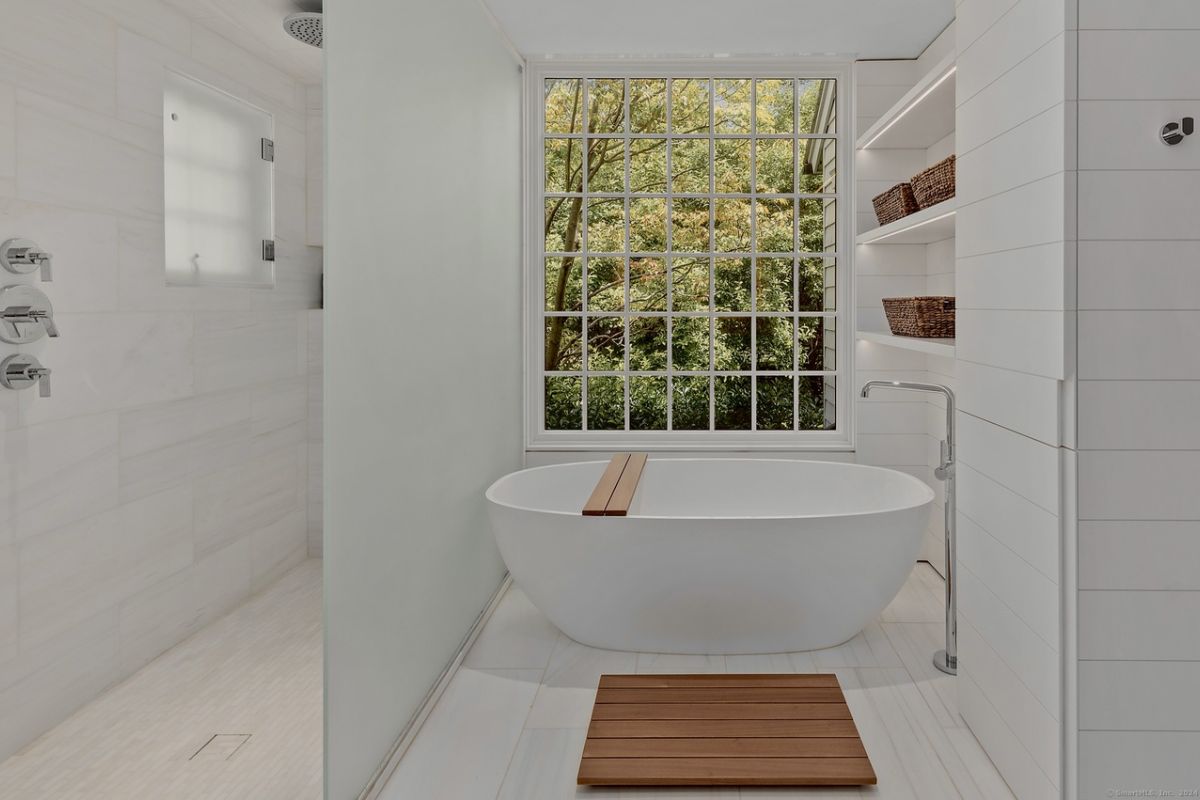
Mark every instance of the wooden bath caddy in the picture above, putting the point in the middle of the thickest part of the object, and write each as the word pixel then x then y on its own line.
pixel 616 487
pixel 723 730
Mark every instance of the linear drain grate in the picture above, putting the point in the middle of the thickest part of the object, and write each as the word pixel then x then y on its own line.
pixel 220 747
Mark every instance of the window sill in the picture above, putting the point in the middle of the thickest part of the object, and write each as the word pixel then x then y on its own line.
pixel 700 441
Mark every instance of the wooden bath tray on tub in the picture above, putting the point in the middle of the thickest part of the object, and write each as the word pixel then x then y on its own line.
pixel 616 487
pixel 723 730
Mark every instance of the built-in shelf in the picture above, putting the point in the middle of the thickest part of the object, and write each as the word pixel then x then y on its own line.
pixel 931 224
pixel 922 117
pixel 933 347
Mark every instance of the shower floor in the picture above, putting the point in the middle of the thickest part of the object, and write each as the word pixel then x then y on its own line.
pixel 232 712
pixel 517 711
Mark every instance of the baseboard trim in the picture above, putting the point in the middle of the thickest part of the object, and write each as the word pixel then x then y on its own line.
pixel 409 733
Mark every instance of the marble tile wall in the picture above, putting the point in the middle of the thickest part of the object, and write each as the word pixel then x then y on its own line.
pixel 167 478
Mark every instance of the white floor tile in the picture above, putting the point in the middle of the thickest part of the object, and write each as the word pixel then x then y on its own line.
pixel 870 648
pixel 916 642
pixel 904 708
pixel 545 767
pixel 920 599
pixel 516 637
pixel 464 748
pixel 568 688
pixel 256 671
pixel 672 663
pixel 771 662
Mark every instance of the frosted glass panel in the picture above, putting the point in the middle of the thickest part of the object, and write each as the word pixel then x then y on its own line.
pixel 218 189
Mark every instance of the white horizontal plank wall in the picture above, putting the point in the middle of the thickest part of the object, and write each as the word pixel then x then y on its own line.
pixel 1139 388
pixel 1015 260
pixel 165 479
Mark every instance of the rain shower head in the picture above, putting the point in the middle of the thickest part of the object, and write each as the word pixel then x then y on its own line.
pixel 304 26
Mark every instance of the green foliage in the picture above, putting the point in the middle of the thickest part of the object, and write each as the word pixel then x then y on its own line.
pixel 671 272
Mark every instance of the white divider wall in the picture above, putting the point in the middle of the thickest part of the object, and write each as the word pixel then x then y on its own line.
pixel 1015 266
pixel 423 343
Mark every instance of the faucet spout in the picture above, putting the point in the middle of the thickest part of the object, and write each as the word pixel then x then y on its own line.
pixel 934 388
pixel 945 660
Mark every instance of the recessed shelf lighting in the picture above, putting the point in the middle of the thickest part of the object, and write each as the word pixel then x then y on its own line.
pixel 916 101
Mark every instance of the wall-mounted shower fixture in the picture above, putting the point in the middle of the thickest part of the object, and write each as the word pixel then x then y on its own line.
pixel 23 256
pixel 945 660
pixel 25 315
pixel 1175 132
pixel 21 371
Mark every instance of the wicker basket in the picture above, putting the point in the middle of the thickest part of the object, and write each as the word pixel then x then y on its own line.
pixel 934 185
pixel 927 317
pixel 896 203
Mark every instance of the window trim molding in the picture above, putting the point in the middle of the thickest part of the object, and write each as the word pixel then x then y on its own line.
pixel 840 440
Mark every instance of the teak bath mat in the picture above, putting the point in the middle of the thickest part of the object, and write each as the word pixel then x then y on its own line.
pixel 723 730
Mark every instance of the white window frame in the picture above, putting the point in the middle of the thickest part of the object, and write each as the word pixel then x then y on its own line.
pixel 536 437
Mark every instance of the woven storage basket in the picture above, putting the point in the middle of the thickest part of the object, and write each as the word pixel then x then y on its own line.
pixel 927 317
pixel 935 184
pixel 896 203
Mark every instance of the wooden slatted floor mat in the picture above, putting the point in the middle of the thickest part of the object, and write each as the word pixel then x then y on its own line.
pixel 723 730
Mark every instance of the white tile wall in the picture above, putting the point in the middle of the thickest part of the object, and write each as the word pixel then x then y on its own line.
pixel 168 475
pixel 316 436
pixel 1139 599
pixel 1149 14
pixel 1128 555
pixel 1015 274
pixel 1112 762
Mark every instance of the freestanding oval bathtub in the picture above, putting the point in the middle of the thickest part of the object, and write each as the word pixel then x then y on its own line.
pixel 716 555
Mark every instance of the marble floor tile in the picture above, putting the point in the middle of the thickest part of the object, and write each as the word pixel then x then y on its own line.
pixel 905 711
pixel 256 671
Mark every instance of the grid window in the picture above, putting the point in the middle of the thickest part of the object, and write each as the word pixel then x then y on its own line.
pixel 689 254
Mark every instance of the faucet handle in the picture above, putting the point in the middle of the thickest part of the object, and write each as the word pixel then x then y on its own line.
pixel 945 469
pixel 22 256
pixel 21 371
pixel 26 314
pixel 46 318
pixel 42 376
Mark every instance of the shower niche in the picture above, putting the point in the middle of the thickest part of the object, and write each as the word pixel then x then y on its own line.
pixel 218 187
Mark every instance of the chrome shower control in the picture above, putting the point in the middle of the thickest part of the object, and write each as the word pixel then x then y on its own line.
pixel 25 315
pixel 21 371
pixel 23 256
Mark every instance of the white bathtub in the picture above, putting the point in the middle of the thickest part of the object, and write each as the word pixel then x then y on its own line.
pixel 716 555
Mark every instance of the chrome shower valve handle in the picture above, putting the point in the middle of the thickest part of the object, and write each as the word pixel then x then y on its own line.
pixel 21 371
pixel 23 256
pixel 26 314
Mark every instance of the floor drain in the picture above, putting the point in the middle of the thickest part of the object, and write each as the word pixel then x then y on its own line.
pixel 220 747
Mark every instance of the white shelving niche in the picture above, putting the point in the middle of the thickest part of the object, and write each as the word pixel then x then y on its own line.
pixel 906 111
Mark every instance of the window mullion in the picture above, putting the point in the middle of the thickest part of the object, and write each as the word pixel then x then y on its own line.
pixel 796 259
pixel 712 247
pixel 628 244
pixel 666 263
pixel 584 214
pixel 754 254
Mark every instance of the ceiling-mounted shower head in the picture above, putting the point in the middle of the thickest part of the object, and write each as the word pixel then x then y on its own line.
pixel 304 26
